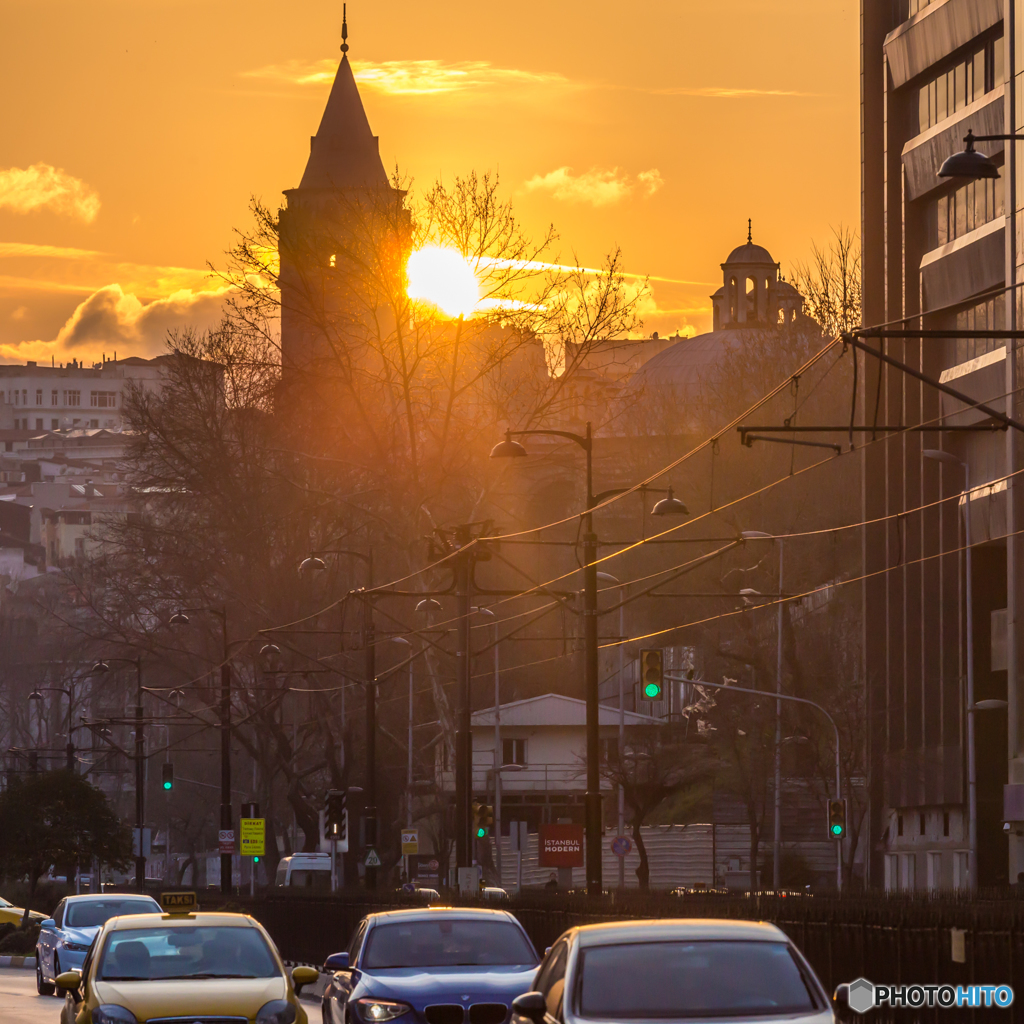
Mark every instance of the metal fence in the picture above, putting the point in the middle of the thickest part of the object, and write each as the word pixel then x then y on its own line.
pixel 894 941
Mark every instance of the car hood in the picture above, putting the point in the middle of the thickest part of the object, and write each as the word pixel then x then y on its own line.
pixel 213 997
pixel 422 986
pixel 83 936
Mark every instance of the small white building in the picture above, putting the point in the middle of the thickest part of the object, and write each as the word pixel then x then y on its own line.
pixel 545 737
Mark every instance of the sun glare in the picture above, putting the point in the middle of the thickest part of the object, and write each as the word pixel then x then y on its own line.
pixel 443 278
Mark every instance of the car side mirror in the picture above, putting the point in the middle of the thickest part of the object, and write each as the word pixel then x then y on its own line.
pixel 531 1005
pixel 48 923
pixel 336 962
pixel 69 981
pixel 841 994
pixel 303 976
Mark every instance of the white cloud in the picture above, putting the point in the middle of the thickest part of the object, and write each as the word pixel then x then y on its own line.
pixel 596 186
pixel 413 77
pixel 42 187
pixel 62 252
pixel 726 92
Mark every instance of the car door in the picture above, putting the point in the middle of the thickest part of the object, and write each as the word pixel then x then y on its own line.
pixel 342 982
pixel 550 980
pixel 48 939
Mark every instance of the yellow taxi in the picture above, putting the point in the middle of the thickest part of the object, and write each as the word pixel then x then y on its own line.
pixel 183 966
pixel 10 914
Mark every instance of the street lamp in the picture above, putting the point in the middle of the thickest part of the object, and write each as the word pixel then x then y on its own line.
pixel 777 841
pixel 487 613
pixel 102 668
pixel 670 506
pixel 408 764
pixel 970 163
pixel 937 455
pixel 38 699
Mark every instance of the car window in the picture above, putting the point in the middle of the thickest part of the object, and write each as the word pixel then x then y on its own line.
pixel 58 914
pixel 676 980
pixel 357 941
pixel 93 913
pixel 4 903
pixel 179 952
pixel 448 942
pixel 311 879
pixel 551 977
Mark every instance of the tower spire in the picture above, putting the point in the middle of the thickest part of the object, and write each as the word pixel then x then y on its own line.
pixel 344 28
pixel 749 231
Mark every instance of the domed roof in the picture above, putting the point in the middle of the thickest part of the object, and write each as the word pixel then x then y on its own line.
pixel 750 253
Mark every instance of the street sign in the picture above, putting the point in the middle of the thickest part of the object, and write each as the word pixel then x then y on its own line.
pixel 410 840
pixel 621 846
pixel 147 842
pixel 178 902
pixel 226 840
pixel 561 846
pixel 252 836
pixel 372 860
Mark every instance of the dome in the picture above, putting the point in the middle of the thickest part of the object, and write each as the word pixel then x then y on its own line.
pixel 750 253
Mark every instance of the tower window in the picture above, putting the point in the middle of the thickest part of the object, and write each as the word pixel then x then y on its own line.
pixel 333 261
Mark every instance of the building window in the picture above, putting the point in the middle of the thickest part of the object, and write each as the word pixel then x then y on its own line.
pixel 934 872
pixel 968 80
pixel 899 824
pixel 24 396
pixel 922 825
pixel 53 398
pixel 39 424
pixel 990 314
pixel 966 208
pixel 72 397
pixel 945 823
pixel 103 399
pixel 39 396
pixel 79 547
pixel 54 424
pixel 513 751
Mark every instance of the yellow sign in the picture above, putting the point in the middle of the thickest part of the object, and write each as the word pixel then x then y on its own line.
pixel 253 833
pixel 178 902
pixel 410 841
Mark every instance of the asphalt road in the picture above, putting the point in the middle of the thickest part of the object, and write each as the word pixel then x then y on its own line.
pixel 20 1004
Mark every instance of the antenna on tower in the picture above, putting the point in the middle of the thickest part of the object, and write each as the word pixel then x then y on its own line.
pixel 344 28
pixel 749 232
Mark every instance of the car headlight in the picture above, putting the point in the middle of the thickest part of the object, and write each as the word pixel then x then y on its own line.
pixel 378 1011
pixel 277 1011
pixel 111 1013
pixel 75 947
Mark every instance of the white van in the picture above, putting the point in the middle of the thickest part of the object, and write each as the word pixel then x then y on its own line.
pixel 305 871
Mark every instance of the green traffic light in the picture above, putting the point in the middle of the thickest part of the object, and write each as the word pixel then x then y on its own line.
pixel 255 860
pixel 481 833
pixel 652 690
pixel 837 830
pixel 168 785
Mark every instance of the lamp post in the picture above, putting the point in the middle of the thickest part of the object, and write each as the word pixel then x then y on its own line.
pixel 607 577
pixel 970 163
pixel 937 455
pixel 102 668
pixel 512 449
pixel 312 566
pixel 487 613
pixel 777 841
pixel 37 696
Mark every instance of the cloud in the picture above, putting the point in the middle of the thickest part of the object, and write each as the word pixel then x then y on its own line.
pixel 112 318
pixel 42 187
pixel 596 186
pixel 413 77
pixel 725 92
pixel 61 252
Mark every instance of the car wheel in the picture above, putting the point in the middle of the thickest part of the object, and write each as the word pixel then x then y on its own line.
pixel 42 987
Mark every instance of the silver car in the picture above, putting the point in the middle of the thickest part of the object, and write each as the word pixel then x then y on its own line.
pixel 685 970
pixel 65 938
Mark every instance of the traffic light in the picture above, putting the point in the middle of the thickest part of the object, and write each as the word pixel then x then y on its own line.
pixel 483 819
pixel 337 819
pixel 167 776
pixel 651 677
pixel 837 819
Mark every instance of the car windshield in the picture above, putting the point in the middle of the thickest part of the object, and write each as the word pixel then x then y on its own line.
pixel 4 903
pixel 447 942
pixel 200 951
pixel 648 980
pixel 93 913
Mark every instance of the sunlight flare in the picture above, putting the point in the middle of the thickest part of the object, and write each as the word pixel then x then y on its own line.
pixel 443 278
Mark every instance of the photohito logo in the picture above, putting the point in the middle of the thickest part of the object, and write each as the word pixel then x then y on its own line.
pixel 862 995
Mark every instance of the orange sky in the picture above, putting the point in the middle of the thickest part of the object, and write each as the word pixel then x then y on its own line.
pixel 135 131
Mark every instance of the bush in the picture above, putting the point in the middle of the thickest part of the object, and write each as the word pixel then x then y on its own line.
pixel 18 942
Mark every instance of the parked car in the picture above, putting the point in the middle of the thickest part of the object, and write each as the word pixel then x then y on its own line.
pixel 430 966
pixel 305 871
pixel 493 893
pixel 674 971
pixel 65 938
pixel 10 914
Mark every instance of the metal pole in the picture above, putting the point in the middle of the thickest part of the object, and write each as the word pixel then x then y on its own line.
pixel 140 760
pixel 590 685
pixel 69 750
pixel 777 841
pixel 972 765
pixel 498 759
pixel 334 863
pixel 463 734
pixel 622 727
pixel 370 811
pixel 226 859
pixel 408 771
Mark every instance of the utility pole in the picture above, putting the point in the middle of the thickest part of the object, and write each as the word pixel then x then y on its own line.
pixel 463 733
pixel 370 670
pixel 140 777
pixel 226 859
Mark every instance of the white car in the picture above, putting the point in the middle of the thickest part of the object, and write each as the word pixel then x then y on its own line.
pixel 683 970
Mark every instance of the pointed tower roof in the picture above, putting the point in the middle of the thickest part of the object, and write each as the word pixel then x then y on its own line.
pixel 344 153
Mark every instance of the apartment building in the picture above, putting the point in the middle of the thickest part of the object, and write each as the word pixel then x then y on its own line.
pixel 71 395
pixel 942 255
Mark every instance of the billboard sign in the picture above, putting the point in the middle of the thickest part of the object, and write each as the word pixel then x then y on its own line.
pixel 561 846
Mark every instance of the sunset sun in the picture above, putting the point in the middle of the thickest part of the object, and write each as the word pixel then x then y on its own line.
pixel 443 278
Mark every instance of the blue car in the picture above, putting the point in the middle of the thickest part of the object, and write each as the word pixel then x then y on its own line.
pixel 430 966
pixel 65 938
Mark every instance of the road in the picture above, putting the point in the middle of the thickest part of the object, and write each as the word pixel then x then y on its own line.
pixel 20 1004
